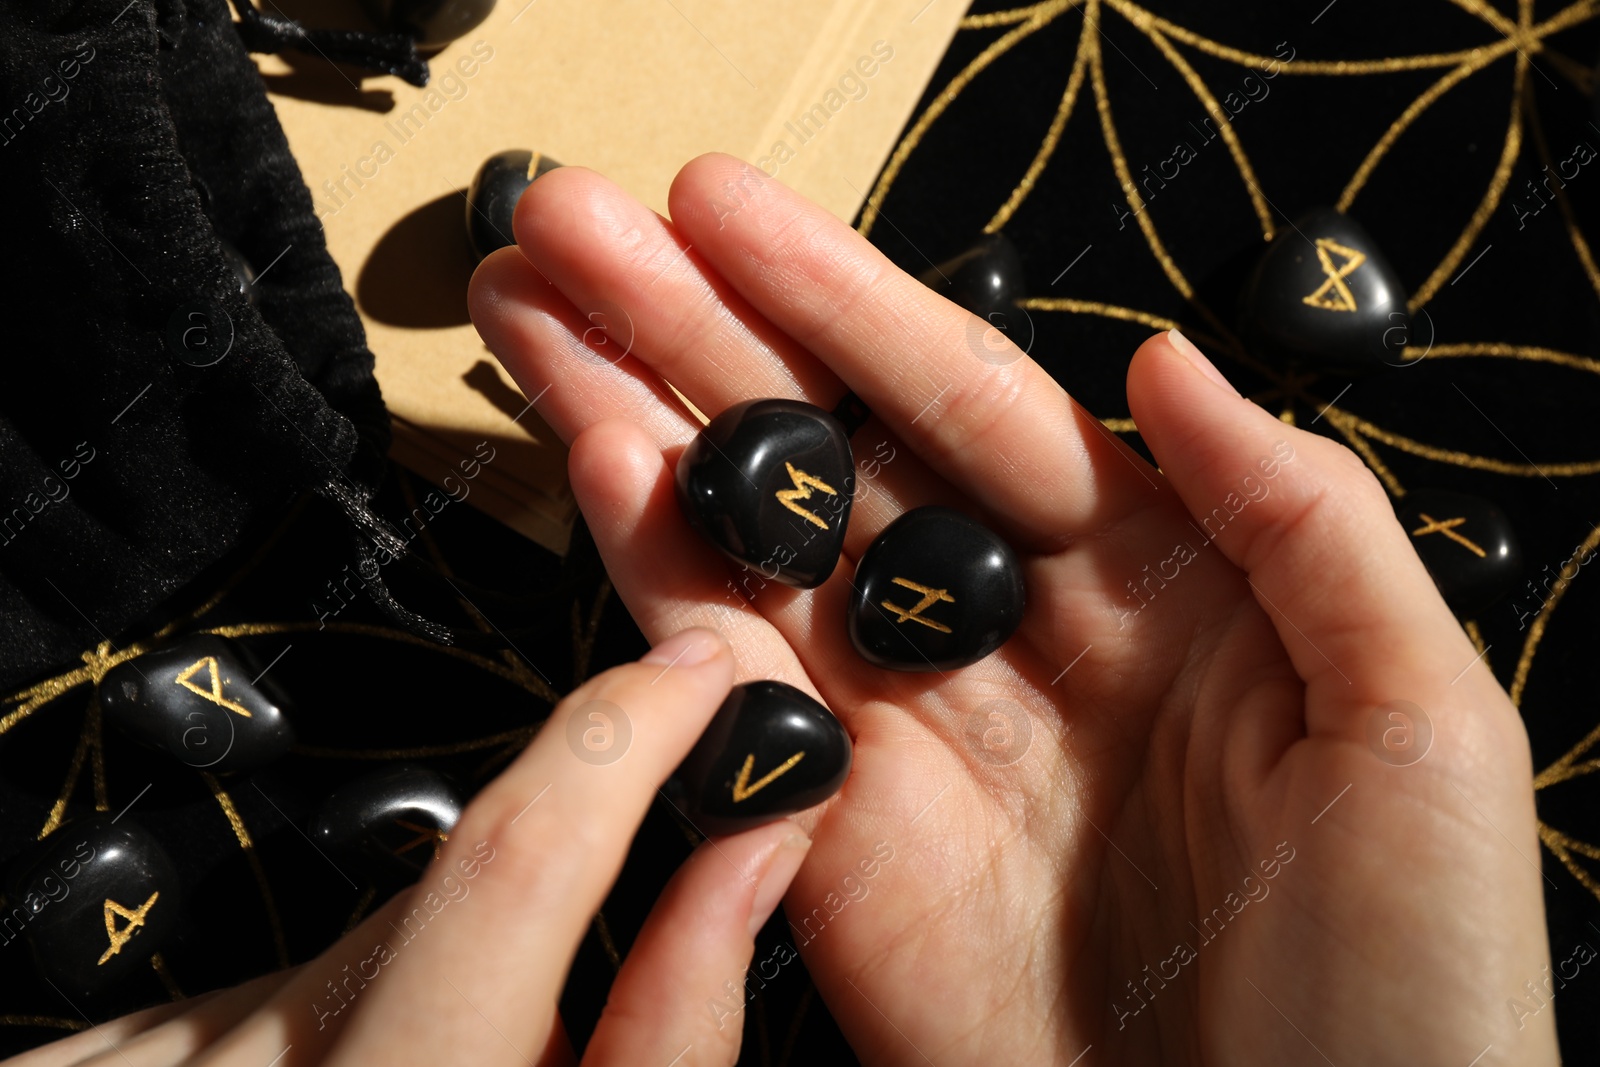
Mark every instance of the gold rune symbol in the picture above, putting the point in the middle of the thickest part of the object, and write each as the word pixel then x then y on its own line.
pixel 1333 294
pixel 424 835
pixel 214 694
pixel 135 920
pixel 743 790
pixel 803 484
pixel 930 597
pixel 1448 528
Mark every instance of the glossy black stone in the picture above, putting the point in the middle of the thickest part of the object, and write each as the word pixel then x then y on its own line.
pixel 935 592
pixel 770 482
pixel 987 279
pixel 389 823
pixel 492 199
pixel 431 23
pixel 93 901
pixel 242 273
pixel 770 751
pixel 1467 544
pixel 1324 295
pixel 196 700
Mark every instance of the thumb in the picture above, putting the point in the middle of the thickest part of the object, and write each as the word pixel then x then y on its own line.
pixel 1313 531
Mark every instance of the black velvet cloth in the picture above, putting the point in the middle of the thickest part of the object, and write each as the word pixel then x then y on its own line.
pixel 135 135
pixel 1500 407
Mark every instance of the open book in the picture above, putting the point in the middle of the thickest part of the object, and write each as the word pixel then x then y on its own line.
pixel 812 91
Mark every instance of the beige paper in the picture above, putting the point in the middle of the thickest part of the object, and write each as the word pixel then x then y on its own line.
pixel 813 90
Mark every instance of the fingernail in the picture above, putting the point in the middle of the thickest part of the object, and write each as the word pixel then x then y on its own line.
pixel 1187 349
pixel 775 881
pixel 687 648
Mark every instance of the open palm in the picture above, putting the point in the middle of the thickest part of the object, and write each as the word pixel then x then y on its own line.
pixel 1153 827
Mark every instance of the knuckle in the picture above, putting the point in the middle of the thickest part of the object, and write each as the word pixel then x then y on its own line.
pixel 978 409
pixel 538 848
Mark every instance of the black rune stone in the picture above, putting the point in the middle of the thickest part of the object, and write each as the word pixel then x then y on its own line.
pixel 935 592
pixel 198 701
pixel 94 901
pixel 389 823
pixel 770 751
pixel 492 199
pixel 1325 296
pixel 986 279
pixel 1466 543
pixel 431 23
pixel 770 482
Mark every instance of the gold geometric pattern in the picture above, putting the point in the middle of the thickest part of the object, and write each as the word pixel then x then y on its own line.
pixel 1333 294
pixel 803 484
pixel 743 789
pixel 1514 40
pixel 1448 528
pixel 24 703
pixel 213 692
pixel 119 936
pixel 930 596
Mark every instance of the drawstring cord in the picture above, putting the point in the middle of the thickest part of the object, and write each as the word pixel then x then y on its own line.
pixel 377 545
pixel 390 53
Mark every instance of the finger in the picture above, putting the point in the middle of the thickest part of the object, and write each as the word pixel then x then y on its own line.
pixel 1310 526
pixel 165 1036
pixel 544 842
pixel 112 1035
pixel 1005 433
pixel 680 995
pixel 625 488
pixel 573 370
pixel 626 267
pixel 299 1016
pixel 609 253
pixel 104 1036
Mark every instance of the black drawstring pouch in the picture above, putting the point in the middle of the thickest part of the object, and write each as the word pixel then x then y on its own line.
pixel 153 406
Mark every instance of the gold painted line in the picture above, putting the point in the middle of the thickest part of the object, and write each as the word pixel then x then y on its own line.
pixel 50 1021
pixel 1575 13
pixel 420 752
pixel 1556 772
pixel 1536 629
pixel 1224 127
pixel 242 833
pixel 1467 460
pixel 1001 18
pixel 1577 770
pixel 1491 197
pixel 249 629
pixel 1046 13
pixel 361 908
pixel 1551 839
pixel 1119 161
pixel 1478 9
pixel 95 728
pixel 607 942
pixel 1408 116
pixel 158 964
pixel 1531 353
pixel 743 790
pixel 36 696
pixel 245 569
pixel 1580 245
pixel 74 771
pixel 1052 138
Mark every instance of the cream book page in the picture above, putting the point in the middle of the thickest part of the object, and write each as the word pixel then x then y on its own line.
pixel 812 91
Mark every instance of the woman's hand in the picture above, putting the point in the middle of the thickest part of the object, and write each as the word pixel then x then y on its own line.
pixel 466 966
pixel 1204 850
